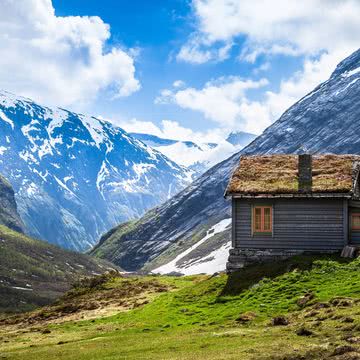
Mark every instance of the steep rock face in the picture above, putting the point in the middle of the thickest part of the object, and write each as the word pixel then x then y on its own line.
pixel 76 176
pixel 326 120
pixel 8 209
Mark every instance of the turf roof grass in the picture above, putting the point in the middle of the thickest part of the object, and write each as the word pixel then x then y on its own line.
pixel 278 174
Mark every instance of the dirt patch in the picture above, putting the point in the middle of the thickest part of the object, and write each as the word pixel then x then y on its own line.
pixel 279 321
pixel 246 317
pixel 304 332
pixel 340 350
pixel 304 300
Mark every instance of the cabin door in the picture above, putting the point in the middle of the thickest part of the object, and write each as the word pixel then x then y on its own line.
pixel 354 225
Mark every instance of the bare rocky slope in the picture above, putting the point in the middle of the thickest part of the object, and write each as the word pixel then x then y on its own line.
pixel 8 209
pixel 327 120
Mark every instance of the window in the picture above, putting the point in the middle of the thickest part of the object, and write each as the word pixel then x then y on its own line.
pixel 262 219
pixel 355 221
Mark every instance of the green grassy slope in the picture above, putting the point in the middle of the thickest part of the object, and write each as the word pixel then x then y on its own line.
pixel 34 272
pixel 220 317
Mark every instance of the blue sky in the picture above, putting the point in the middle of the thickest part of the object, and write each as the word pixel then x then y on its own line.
pixel 238 63
pixel 159 29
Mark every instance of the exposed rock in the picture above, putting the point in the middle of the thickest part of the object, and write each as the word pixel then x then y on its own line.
pixel 353 340
pixel 8 209
pixel 246 317
pixel 343 349
pixel 304 332
pixel 304 300
pixel 279 321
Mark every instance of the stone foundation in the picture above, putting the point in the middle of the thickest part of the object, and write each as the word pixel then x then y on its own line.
pixel 240 258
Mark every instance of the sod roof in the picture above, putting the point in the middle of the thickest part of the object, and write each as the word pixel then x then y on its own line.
pixel 278 174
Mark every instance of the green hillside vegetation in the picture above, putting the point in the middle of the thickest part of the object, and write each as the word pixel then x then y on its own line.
pixel 34 273
pixel 303 308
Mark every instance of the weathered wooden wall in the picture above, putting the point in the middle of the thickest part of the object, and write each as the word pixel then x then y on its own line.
pixel 304 224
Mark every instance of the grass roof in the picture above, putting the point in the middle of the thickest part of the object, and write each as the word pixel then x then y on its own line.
pixel 278 174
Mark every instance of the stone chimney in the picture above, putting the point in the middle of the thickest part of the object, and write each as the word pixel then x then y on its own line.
pixel 305 173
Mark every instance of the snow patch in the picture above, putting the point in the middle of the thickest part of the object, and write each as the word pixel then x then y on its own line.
pixel 216 260
pixel 31 190
pixel 21 288
pixel 95 128
pixel 352 72
pixel 6 119
pixel 101 177
pixel 63 185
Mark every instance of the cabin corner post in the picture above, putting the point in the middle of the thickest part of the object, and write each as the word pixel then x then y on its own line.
pixel 233 222
pixel 346 221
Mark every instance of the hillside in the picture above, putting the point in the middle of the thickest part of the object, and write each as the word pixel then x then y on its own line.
pixel 8 209
pixel 326 120
pixel 34 273
pixel 305 308
pixel 76 176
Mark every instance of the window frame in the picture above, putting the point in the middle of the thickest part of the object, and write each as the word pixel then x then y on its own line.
pixel 354 228
pixel 262 231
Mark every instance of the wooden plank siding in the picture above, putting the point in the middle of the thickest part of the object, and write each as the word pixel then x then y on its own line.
pixel 299 224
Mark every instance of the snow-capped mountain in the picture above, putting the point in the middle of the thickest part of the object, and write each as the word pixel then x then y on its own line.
pixel 326 120
pixel 155 141
pixel 197 157
pixel 194 156
pixel 76 176
pixel 240 139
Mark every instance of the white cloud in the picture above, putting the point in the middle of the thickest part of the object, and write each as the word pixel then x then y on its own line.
pixel 178 84
pixel 263 67
pixel 222 101
pixel 226 102
pixel 198 51
pixel 60 60
pixel 169 129
pixel 289 27
pixel 322 32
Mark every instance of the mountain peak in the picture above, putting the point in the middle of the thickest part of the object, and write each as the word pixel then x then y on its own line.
pixel 240 138
pixel 350 64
